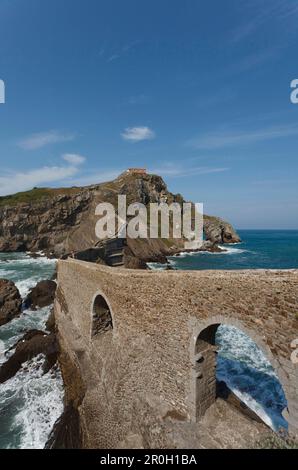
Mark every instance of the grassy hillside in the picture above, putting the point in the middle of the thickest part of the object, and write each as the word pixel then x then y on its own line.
pixel 35 195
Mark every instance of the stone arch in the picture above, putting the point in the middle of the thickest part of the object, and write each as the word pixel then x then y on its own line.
pixel 203 352
pixel 101 315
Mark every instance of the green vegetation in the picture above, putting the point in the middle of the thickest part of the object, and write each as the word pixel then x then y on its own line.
pixel 35 195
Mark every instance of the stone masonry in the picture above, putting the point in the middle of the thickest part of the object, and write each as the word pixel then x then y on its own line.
pixel 159 358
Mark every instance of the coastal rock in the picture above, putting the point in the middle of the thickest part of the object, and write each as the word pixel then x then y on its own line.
pixel 219 231
pixel 32 344
pixel 211 247
pixel 148 250
pixel 42 295
pixel 131 261
pixel 10 301
pixel 50 323
pixel 60 221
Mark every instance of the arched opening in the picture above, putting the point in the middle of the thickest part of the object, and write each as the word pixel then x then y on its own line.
pixel 101 316
pixel 226 358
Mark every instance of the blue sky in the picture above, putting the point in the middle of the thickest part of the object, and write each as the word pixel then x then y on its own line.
pixel 197 91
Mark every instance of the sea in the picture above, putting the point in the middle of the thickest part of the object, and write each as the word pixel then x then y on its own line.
pixel 31 402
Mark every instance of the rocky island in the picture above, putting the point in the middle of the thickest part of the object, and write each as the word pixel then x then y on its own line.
pixel 62 221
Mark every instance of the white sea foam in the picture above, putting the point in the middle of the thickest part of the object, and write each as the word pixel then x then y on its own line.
pixel 39 402
pixel 248 373
pixel 157 266
pixel 28 320
pixel 25 259
pixel 25 285
pixel 257 408
pixel 226 250
pixel 30 402
pixel 2 351
pixel 229 250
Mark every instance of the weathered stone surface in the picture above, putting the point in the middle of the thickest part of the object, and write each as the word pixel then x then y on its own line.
pixel 144 368
pixel 66 433
pixel 10 301
pixel 44 223
pixel 42 295
pixel 32 344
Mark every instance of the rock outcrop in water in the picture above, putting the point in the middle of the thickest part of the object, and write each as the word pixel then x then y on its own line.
pixel 219 231
pixel 60 221
pixel 10 301
pixel 32 344
pixel 42 295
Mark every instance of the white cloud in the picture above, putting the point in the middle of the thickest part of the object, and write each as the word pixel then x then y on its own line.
pixel 137 134
pixel 220 139
pixel 258 14
pixel 14 182
pixel 117 54
pixel 137 99
pixel 73 158
pixel 22 181
pixel 113 57
pixel 95 177
pixel 2 92
pixel 39 140
pixel 255 60
pixel 178 171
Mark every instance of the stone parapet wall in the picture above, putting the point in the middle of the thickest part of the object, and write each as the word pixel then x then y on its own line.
pixel 144 368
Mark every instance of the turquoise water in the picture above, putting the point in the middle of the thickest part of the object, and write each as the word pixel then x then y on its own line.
pixel 260 249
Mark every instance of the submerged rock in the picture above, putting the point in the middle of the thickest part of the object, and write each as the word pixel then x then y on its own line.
pixel 32 344
pixel 10 301
pixel 42 295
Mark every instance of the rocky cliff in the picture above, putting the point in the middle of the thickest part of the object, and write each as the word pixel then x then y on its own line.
pixel 63 220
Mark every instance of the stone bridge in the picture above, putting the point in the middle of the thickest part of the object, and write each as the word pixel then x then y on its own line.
pixel 141 344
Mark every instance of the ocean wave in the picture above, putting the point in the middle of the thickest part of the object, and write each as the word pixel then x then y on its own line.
pixel 226 250
pixel 157 266
pixel 25 271
pixel 26 285
pixel 31 407
pixel 234 343
pixel 28 320
pixel 30 402
pixel 245 369
pixel 231 251
pixel 28 261
pixel 4 272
